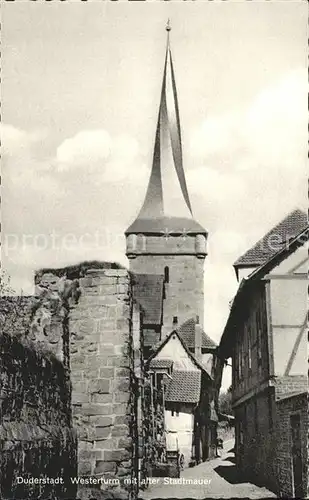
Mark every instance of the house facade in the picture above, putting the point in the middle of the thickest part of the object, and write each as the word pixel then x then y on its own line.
pixel 265 336
pixel 190 420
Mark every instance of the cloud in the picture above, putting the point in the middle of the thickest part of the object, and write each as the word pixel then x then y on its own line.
pixel 276 123
pixel 84 149
pixel 96 152
pixel 254 160
pixel 217 134
pixel 213 183
pixel 271 131
pixel 15 141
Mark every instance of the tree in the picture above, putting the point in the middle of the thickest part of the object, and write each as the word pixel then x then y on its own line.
pixel 225 402
pixel 14 309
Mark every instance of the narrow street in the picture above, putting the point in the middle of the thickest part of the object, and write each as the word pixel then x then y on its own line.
pixel 219 477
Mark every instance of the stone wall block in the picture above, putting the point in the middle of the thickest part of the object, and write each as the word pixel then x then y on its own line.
pixel 95 409
pixel 107 349
pixel 122 420
pixel 87 326
pixel 86 282
pixel 101 398
pixel 118 362
pixel 107 373
pixel 80 397
pixel 102 433
pixel 107 327
pixel 120 408
pixel 103 280
pixel 77 376
pixel 118 273
pixel 125 442
pixel 121 397
pixel 93 362
pixel 122 288
pixel 102 421
pixel 102 467
pixel 121 385
pixel 108 289
pixel 85 455
pixel 120 430
pixel 122 324
pixel 84 445
pixel 122 372
pixel 116 455
pixel 122 309
pixel 123 471
pixel 92 373
pixel 101 386
pixel 84 468
pixel 106 444
pixel 122 349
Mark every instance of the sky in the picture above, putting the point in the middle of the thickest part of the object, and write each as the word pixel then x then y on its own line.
pixel 80 95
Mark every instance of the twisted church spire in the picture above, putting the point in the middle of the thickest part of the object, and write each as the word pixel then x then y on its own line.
pixel 167 199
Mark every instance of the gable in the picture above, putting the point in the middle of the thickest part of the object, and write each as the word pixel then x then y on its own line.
pixel 174 350
pixel 294 264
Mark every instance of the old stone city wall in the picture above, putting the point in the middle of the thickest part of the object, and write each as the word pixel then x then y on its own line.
pixel 102 374
pixel 105 371
pixel 82 371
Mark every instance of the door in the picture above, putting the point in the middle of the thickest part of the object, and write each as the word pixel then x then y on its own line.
pixel 296 456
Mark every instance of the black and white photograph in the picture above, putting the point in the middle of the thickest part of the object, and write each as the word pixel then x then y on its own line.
pixel 154 250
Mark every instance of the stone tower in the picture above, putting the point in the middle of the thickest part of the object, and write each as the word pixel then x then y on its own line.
pixel 165 238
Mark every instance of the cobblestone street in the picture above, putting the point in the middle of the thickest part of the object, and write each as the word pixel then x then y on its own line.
pixel 220 481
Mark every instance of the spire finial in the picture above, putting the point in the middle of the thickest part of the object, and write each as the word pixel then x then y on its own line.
pixel 168 25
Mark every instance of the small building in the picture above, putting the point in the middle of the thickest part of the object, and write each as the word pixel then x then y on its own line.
pixel 265 335
pixel 190 419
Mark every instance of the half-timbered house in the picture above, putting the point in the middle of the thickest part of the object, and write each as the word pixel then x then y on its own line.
pixel 265 335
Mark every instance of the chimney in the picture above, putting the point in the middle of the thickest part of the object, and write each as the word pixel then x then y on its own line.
pixel 175 321
pixel 198 339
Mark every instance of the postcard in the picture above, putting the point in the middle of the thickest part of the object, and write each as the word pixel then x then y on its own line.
pixel 154 250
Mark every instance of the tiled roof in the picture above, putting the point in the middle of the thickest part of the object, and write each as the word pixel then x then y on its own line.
pixel 274 240
pixel 148 292
pixel 185 387
pixel 151 338
pixel 294 394
pixel 187 333
pixel 161 363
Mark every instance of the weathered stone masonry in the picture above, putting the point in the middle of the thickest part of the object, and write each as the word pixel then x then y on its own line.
pixel 105 370
pixel 81 366
pixel 36 435
pixel 101 364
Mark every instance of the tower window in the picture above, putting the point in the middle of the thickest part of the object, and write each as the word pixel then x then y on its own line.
pixel 166 274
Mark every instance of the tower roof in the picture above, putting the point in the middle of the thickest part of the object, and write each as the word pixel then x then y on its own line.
pixel 167 204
